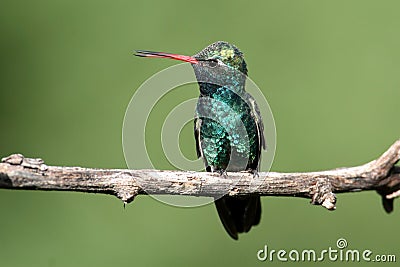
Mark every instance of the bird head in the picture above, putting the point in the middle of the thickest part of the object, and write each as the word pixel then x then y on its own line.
pixel 223 53
pixel 219 64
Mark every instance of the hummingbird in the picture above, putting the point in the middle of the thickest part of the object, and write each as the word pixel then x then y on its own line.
pixel 228 127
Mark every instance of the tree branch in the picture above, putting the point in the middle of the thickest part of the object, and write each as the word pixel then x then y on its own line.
pixel 18 172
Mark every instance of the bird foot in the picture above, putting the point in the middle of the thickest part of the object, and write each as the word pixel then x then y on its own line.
pixel 255 173
pixel 223 173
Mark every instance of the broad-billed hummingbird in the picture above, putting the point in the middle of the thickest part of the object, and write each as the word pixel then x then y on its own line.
pixel 227 126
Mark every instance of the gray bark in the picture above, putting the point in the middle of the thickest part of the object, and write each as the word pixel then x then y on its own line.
pixel 381 175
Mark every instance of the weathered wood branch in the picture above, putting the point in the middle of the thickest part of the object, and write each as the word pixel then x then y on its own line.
pixel 381 175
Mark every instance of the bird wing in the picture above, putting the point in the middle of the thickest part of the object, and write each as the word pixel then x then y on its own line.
pixel 197 137
pixel 260 125
pixel 256 114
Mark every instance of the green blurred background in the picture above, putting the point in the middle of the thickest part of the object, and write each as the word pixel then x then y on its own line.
pixel 329 69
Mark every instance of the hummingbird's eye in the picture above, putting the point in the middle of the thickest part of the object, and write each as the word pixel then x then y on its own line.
pixel 212 63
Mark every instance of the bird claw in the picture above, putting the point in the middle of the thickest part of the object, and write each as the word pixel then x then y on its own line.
pixel 223 173
pixel 255 173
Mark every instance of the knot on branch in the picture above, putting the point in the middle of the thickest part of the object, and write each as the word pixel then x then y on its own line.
pixel 19 159
pixel 126 196
pixel 389 189
pixel 125 186
pixel 322 194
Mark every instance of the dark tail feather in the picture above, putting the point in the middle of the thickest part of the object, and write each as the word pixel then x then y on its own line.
pixel 238 214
